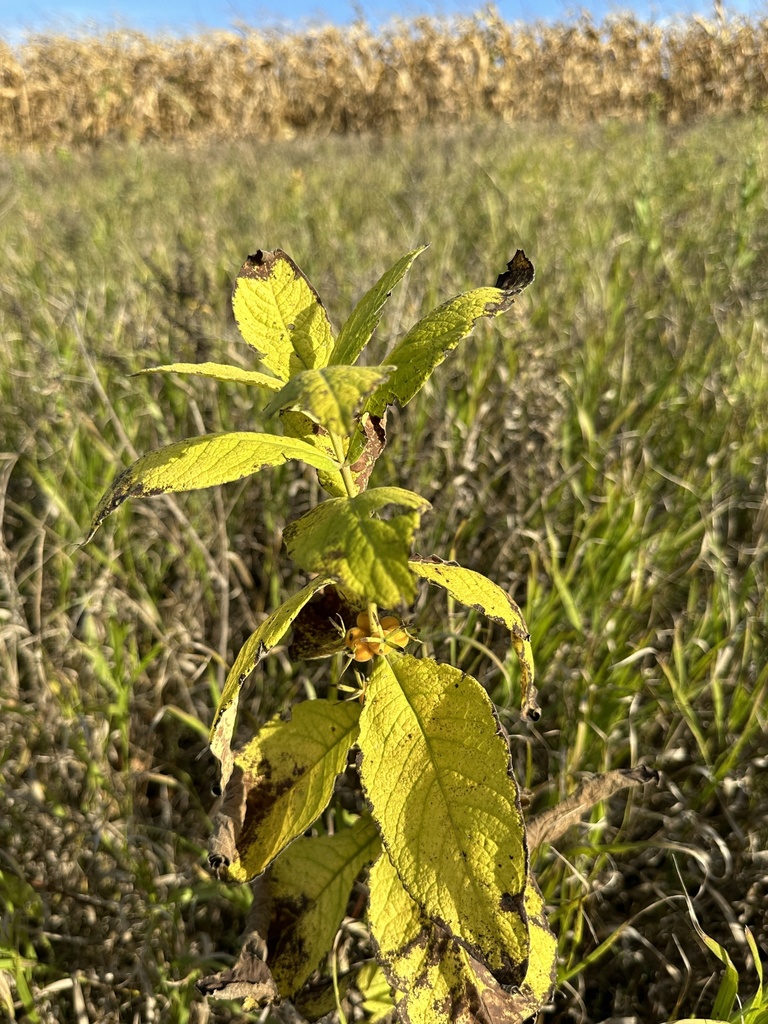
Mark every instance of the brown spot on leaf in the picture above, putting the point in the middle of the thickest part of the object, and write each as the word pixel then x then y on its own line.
pixel 433 560
pixel 261 794
pixel 284 939
pixel 260 266
pixel 512 903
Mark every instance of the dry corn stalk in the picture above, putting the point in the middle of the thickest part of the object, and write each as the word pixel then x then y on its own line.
pixel 57 90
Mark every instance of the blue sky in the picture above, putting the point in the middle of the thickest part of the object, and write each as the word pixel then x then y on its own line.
pixel 186 16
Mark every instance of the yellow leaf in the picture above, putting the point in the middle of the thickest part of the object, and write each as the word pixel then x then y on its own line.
pixel 283 780
pixel 439 981
pixel 206 461
pixel 376 991
pixel 280 314
pixel 436 770
pixel 369 557
pixel 218 371
pixel 357 331
pixel 297 424
pixel 476 591
pixel 331 396
pixel 257 646
pixel 429 341
pixel 309 886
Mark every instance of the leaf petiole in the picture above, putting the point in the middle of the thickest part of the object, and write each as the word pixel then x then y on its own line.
pixel 346 472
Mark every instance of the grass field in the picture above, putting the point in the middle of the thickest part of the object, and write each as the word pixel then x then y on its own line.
pixel 601 452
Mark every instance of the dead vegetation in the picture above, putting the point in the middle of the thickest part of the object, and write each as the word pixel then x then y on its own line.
pixel 61 91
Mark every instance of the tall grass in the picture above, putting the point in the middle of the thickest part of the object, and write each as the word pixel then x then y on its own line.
pixel 57 90
pixel 602 453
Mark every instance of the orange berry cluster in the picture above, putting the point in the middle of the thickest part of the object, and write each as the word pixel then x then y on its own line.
pixel 364 646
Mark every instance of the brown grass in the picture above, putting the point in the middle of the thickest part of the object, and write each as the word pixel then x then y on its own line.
pixel 56 90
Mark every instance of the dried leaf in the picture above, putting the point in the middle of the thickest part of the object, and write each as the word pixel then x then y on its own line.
pixel 518 275
pixel 373 430
pixel 477 591
pixel 250 978
pixel 553 823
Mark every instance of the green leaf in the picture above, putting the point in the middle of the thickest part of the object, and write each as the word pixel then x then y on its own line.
pixel 436 770
pixel 218 371
pixel 297 424
pixel 371 982
pixel 429 341
pixel 283 780
pixel 756 1002
pixel 729 983
pixel 368 557
pixel 310 885
pixel 440 982
pixel 561 582
pixel 257 646
pixel 379 497
pixel 476 591
pixel 205 461
pixel 280 314
pixel 330 396
pixel 365 317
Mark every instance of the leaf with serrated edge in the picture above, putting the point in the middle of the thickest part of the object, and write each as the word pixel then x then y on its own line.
pixel 369 557
pixel 476 591
pixel 429 341
pixel 436 771
pixel 256 647
pixel 286 775
pixel 309 885
pixel 439 981
pixel 280 314
pixel 206 461
pixel 365 317
pixel 331 395
pixel 218 371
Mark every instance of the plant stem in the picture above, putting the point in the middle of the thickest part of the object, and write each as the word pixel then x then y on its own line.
pixel 373 620
pixel 346 472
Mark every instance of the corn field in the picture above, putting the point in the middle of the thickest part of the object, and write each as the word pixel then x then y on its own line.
pixel 60 91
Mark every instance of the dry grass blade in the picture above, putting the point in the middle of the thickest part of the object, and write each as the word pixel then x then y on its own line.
pixel 550 825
